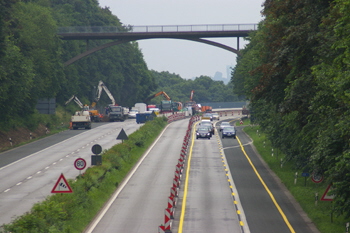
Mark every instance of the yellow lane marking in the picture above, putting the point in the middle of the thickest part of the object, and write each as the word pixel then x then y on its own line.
pixel 182 217
pixel 267 189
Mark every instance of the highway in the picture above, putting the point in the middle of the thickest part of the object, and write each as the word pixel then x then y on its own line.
pixel 227 187
pixel 268 205
pixel 28 173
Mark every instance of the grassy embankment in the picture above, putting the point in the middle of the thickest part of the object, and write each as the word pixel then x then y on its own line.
pixel 304 190
pixel 74 211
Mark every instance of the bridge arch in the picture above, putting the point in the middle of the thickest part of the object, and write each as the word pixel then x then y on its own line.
pixel 98 48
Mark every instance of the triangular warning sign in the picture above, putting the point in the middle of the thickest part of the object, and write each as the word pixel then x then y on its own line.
pixel 61 186
pixel 327 196
pixel 122 135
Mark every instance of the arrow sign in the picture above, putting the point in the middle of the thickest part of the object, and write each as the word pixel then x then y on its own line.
pixel 326 196
pixel 61 186
pixel 122 135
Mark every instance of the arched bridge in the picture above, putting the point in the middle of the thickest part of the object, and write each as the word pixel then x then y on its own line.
pixel 132 33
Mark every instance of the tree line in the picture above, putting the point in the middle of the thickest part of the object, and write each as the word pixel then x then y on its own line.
pixel 205 89
pixel 32 57
pixel 295 72
pixel 32 60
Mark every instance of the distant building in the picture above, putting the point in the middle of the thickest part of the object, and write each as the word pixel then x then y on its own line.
pixel 218 77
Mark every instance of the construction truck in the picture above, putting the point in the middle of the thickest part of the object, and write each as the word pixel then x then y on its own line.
pixel 95 115
pixel 117 113
pixel 81 119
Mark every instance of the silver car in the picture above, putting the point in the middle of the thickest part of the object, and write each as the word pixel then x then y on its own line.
pixel 224 124
pixel 215 116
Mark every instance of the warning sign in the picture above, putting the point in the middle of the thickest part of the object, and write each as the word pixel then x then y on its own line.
pixel 327 196
pixel 61 186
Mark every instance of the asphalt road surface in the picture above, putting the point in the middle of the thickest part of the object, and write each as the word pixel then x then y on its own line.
pixel 267 204
pixel 138 204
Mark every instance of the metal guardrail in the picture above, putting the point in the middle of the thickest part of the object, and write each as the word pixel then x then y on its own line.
pixel 160 28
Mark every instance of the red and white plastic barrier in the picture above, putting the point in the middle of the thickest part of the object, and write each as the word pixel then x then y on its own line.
pixel 172 199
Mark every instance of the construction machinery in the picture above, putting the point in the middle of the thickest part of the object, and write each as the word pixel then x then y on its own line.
pixel 81 119
pixel 95 115
pixel 117 113
pixel 155 95
pixel 192 104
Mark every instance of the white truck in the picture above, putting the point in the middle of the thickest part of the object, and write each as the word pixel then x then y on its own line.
pixel 141 107
pixel 81 119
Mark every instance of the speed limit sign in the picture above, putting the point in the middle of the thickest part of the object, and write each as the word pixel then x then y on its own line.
pixel 80 163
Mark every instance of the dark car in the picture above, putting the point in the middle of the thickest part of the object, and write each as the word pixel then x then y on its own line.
pixel 229 132
pixel 224 124
pixel 203 132
pixel 210 125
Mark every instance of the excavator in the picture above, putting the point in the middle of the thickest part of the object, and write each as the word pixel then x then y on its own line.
pixel 166 105
pixel 93 111
pixel 192 104
pixel 77 101
pixel 155 95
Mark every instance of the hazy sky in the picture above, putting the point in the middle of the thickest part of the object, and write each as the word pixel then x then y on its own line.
pixel 186 58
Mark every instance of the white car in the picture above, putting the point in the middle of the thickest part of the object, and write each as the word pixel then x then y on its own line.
pixel 216 116
pixel 224 124
pixel 132 113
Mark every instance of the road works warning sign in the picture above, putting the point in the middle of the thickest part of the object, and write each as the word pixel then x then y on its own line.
pixel 61 186
pixel 327 196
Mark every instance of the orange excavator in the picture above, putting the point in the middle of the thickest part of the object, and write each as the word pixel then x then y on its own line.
pixel 155 95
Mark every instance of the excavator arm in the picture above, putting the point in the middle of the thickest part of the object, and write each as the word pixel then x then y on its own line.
pixel 101 86
pixel 76 100
pixel 157 94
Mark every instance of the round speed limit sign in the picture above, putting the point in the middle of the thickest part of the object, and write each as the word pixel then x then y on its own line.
pixel 80 163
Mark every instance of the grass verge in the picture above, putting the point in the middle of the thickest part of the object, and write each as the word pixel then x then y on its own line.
pixel 304 190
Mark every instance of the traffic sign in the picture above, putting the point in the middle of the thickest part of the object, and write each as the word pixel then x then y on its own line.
pixel 61 186
pixel 327 196
pixel 316 177
pixel 80 163
pixel 96 149
pixel 122 135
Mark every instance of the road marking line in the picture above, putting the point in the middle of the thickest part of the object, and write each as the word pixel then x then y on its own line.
pixel 267 189
pixel 183 209
pixel 98 218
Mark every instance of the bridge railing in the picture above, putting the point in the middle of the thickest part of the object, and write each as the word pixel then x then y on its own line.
pixel 160 28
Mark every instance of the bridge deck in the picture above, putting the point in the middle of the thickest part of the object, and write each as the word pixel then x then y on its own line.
pixel 146 32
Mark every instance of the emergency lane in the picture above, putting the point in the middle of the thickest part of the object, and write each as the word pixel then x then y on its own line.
pixel 268 205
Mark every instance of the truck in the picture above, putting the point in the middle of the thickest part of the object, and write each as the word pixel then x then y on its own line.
pixel 81 119
pixel 166 106
pixel 141 107
pixel 117 113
